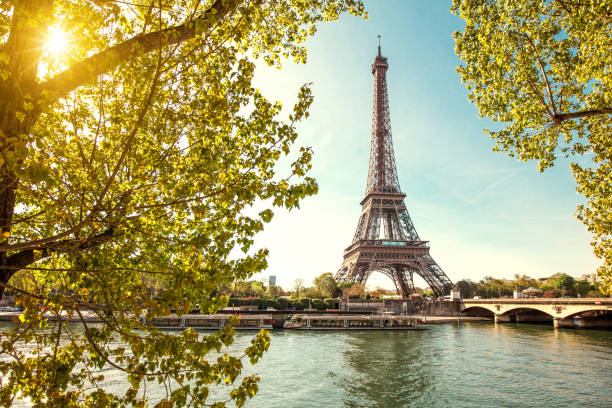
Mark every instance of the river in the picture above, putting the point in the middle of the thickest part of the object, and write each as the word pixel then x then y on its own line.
pixel 450 365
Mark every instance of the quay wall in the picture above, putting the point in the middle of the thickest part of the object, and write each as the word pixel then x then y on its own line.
pixel 402 306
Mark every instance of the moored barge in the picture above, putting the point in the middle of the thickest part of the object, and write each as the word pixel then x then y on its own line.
pixel 212 322
pixel 352 322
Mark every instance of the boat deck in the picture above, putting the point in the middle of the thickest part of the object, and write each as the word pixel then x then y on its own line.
pixel 354 322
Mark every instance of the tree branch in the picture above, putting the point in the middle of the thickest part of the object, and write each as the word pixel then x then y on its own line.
pixel 85 71
pixel 532 85
pixel 564 6
pixel 28 256
pixel 541 65
pixel 560 117
pixel 35 244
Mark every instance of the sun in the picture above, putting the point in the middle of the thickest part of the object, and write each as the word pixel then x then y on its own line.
pixel 57 41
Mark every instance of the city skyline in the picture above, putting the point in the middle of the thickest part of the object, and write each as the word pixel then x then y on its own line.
pixel 483 212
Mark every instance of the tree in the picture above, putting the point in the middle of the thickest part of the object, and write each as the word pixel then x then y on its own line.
pixel 380 292
pixel 246 288
pixel 565 283
pixel 344 286
pixel 428 293
pixel 297 285
pixel 492 288
pixel 551 293
pixel 310 292
pixel 133 154
pixel 326 285
pixel 274 291
pixel 467 288
pixel 355 290
pixel 583 287
pixel 542 69
pixel 257 288
pixel 526 282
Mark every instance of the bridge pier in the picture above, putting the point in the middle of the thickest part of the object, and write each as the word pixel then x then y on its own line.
pixel 592 324
pixel 501 318
pixel 558 322
pixel 532 317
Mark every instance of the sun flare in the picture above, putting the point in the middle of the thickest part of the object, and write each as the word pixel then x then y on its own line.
pixel 57 41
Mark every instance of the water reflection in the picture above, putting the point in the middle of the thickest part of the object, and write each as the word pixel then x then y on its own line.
pixel 386 368
pixel 532 365
pixel 477 364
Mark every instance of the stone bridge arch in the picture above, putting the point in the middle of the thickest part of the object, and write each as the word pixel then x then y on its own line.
pixel 478 310
pixel 555 308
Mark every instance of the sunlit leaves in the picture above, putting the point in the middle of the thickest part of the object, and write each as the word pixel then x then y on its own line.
pixel 543 70
pixel 133 191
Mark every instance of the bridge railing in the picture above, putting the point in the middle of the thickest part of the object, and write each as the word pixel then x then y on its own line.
pixel 585 301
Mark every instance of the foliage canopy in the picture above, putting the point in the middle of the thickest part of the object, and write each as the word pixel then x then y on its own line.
pixel 126 163
pixel 326 285
pixel 543 69
pixel 559 284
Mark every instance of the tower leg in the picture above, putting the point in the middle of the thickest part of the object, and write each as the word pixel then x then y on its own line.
pixel 403 281
pixel 410 275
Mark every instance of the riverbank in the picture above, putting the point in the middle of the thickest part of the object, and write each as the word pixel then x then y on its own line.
pixel 90 317
pixel 451 319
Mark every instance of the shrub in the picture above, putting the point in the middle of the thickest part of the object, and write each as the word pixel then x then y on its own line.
pixel 270 303
pixel 317 304
pixel 329 303
pixel 281 303
pixel 303 303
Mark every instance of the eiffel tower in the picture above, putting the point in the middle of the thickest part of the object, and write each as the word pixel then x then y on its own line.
pixel 386 240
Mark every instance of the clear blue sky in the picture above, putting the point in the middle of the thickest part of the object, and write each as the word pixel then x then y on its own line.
pixel 484 213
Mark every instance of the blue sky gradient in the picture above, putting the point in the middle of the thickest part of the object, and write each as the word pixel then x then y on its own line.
pixel 484 213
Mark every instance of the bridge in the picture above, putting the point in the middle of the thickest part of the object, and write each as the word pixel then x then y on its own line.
pixel 564 312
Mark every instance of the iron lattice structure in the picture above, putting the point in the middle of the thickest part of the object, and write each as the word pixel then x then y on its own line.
pixel 385 239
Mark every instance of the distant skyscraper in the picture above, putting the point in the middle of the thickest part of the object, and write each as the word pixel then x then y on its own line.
pixel 271 280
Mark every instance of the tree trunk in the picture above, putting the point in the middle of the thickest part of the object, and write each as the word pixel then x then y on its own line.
pixel 29 23
pixel 10 127
pixel 7 208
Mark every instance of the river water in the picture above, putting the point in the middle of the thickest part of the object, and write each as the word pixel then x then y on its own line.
pixel 450 365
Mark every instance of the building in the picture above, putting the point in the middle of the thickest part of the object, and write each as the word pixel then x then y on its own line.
pixel 533 292
pixel 271 280
pixel 592 278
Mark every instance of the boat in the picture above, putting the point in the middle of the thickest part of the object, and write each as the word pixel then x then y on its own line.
pixel 212 322
pixel 354 322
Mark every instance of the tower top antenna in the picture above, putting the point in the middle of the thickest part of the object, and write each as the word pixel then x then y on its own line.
pixel 379 46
